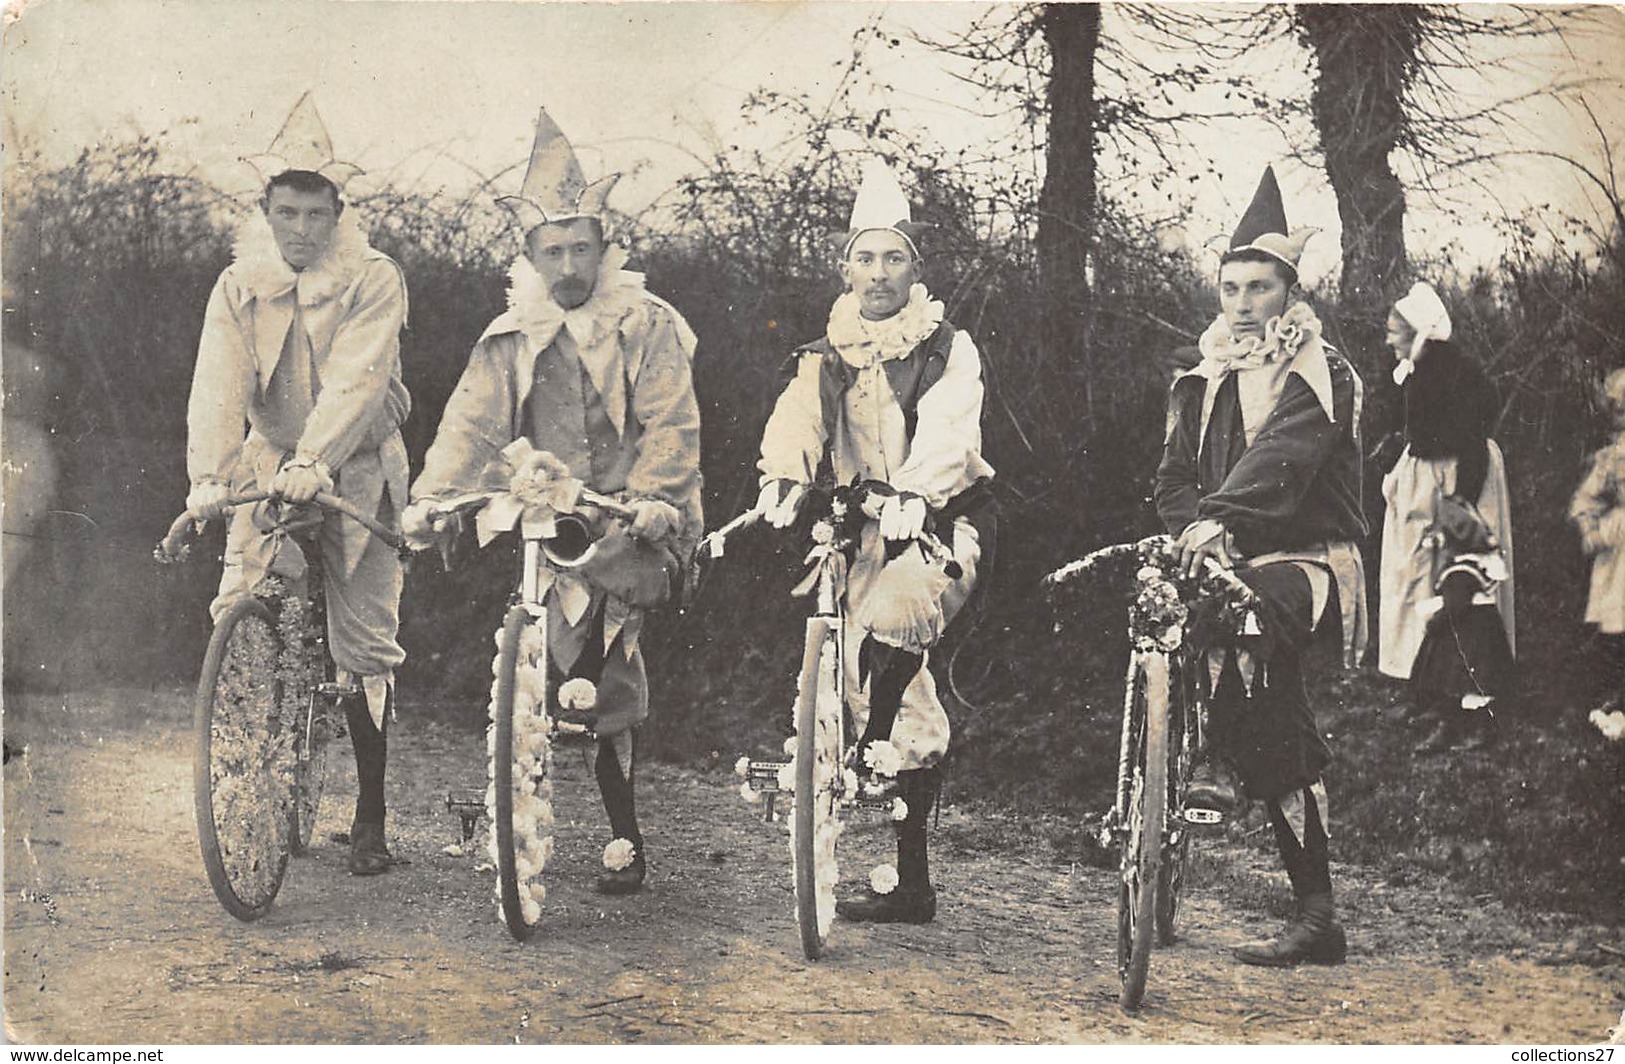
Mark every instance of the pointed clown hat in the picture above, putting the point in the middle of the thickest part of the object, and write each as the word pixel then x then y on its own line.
pixel 303 144
pixel 555 189
pixel 881 204
pixel 1263 228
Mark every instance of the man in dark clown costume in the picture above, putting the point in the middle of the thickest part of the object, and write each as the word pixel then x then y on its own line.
pixel 892 395
pixel 1261 472
pixel 593 369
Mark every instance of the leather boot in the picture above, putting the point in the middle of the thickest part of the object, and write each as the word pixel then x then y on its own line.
pixel 914 900
pixel 369 855
pixel 1314 935
pixel 617 792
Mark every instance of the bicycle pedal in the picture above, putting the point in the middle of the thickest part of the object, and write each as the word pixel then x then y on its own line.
pixel 763 776
pixel 1203 817
pixel 570 733
pixel 469 806
pixel 336 691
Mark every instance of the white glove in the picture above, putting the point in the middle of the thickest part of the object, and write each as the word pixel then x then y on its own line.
pixel 779 501
pixel 207 500
pixel 653 519
pixel 301 480
pixel 418 521
pixel 902 516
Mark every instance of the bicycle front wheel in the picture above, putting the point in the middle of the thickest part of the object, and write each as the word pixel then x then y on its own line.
pixel 243 761
pixel 1147 828
pixel 815 822
pixel 521 791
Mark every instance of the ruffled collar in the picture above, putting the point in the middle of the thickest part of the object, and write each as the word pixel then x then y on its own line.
pixel 862 342
pixel 1291 343
pixel 533 311
pixel 265 274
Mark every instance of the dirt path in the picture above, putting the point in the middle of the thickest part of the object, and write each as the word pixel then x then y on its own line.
pixel 112 934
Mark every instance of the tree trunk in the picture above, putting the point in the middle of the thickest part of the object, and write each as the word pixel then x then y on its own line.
pixel 1367 56
pixel 1066 204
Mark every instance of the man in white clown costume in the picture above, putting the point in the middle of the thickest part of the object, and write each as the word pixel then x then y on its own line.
pixel 301 344
pixel 892 396
pixel 1261 472
pixel 589 366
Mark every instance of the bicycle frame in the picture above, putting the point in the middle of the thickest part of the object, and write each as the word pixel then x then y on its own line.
pixel 1163 703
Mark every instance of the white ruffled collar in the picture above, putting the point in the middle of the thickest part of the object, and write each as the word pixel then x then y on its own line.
pixel 1291 343
pixel 862 342
pixel 265 274
pixel 533 311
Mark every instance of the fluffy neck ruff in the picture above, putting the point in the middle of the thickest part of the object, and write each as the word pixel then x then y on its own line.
pixel 266 274
pixel 862 342
pixel 1284 336
pixel 614 293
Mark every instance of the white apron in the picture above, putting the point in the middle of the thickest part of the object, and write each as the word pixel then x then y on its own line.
pixel 1408 598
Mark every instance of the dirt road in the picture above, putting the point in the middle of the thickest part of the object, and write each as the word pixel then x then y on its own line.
pixel 112 934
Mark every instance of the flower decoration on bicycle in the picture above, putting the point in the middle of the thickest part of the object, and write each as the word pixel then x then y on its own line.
pixel 268 699
pixel 576 617
pixel 1171 616
pixel 838 759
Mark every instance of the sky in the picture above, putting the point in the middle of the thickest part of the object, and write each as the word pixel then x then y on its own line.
pixel 429 93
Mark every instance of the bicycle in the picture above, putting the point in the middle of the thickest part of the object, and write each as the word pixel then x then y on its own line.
pixel 264 711
pixel 821 782
pixel 552 512
pixel 1164 734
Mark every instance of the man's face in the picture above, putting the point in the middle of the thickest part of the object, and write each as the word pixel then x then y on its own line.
pixel 1250 294
pixel 302 223
pixel 1400 335
pixel 567 255
pixel 880 268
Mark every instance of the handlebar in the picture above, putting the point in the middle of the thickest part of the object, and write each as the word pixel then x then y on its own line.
pixel 1151 549
pixel 468 503
pixel 714 543
pixel 173 547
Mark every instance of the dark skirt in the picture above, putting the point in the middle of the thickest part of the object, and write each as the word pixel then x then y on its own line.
pixel 1464 655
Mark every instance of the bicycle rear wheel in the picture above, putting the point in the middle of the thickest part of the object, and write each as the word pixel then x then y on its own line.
pixel 1147 827
pixel 243 761
pixel 304 669
pixel 520 796
pixel 1182 739
pixel 815 822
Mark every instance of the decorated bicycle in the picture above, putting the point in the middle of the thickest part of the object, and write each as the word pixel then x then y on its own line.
pixel 268 700
pixel 1173 620
pixel 836 766
pixel 578 557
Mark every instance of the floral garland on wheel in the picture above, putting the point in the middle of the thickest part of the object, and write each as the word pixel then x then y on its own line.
pixel 532 774
pixel 826 826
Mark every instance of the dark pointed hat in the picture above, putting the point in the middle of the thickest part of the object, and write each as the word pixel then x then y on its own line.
pixel 1263 228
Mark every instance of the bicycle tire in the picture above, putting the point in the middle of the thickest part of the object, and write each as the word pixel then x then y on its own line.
pixel 242 761
pixel 513 888
pixel 1142 851
pixel 814 821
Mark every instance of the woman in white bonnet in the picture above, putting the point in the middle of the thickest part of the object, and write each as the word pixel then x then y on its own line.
pixel 1447 537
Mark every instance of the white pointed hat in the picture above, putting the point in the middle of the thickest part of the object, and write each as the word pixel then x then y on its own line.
pixel 554 189
pixel 882 204
pixel 303 144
